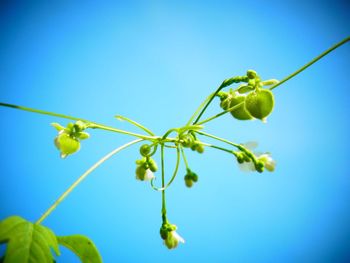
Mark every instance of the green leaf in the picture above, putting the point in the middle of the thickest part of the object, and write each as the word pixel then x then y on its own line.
pixel 27 242
pixel 82 246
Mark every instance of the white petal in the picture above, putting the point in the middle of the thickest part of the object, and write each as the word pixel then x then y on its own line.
pixel 246 167
pixel 149 175
pixel 177 236
pixel 251 145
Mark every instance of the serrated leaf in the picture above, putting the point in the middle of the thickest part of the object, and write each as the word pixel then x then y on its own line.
pixel 82 246
pixel 27 242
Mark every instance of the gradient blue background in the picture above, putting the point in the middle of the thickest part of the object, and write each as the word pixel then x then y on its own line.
pixel 155 62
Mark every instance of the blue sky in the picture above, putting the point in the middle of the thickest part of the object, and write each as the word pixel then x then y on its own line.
pixel 155 61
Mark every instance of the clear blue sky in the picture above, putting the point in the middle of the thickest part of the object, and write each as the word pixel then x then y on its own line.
pixel 155 61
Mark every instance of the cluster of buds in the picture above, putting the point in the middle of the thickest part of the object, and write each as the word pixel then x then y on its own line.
pixel 256 102
pixel 190 178
pixel 170 236
pixel 188 140
pixel 68 139
pixel 145 166
pixel 145 169
pixel 261 161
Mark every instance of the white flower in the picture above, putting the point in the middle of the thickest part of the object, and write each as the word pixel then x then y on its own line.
pixel 266 158
pixel 269 163
pixel 143 174
pixel 173 239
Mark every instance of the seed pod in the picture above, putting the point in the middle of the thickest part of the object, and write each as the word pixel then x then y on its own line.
pixel 240 113
pixel 259 103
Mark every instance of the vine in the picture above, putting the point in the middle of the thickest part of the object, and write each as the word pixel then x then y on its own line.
pixel 251 99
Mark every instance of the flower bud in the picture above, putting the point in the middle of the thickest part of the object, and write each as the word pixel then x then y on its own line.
pixel 145 150
pixel 152 165
pixel 269 163
pixel 187 140
pixel 66 144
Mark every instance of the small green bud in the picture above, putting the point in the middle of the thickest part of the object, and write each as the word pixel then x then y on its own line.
pixel 194 177
pixel 188 182
pixel 140 173
pixel 145 150
pixel 200 148
pixel 240 157
pixel 259 166
pixel 251 74
pixel 152 165
pixel 83 135
pixel 187 140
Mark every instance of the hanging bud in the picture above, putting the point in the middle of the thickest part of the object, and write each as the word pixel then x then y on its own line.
pixel 144 174
pixel 269 163
pixel 170 236
pixel 68 139
pixel 66 144
pixel 190 178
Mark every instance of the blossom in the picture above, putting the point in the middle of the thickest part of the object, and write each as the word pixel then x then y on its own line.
pixel 173 239
pixel 265 158
pixel 143 174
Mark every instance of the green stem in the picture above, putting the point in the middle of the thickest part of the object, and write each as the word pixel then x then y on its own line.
pixel 220 114
pixel 224 84
pixel 219 139
pixel 119 117
pixel 199 108
pixel 218 147
pixel 82 177
pixel 184 158
pixel 311 62
pixel 92 125
pixel 165 186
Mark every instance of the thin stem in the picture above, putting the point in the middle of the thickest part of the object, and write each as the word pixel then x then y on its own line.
pixel 199 108
pixel 220 139
pixel 220 114
pixel 224 84
pixel 92 125
pixel 184 157
pixel 165 186
pixel 311 62
pixel 82 177
pixel 218 147
pixel 119 117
